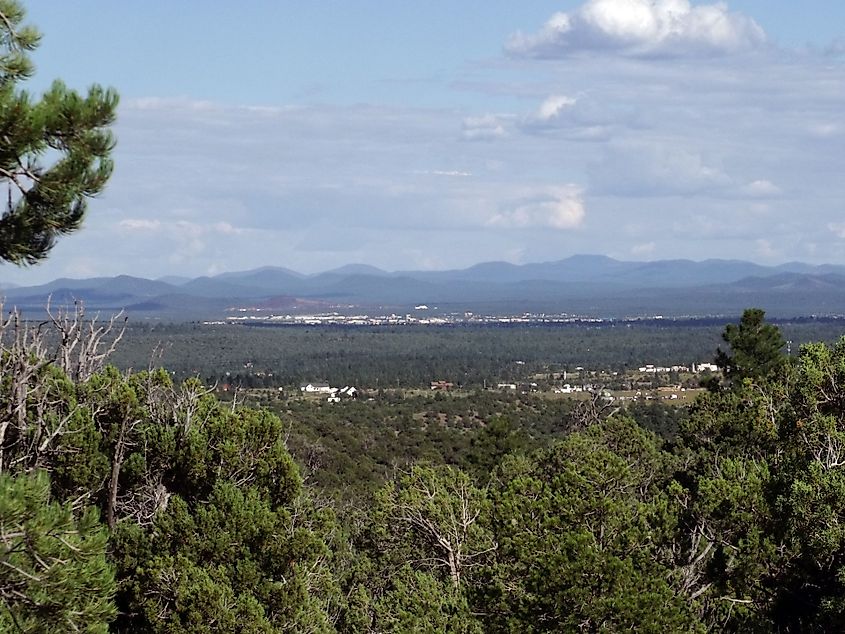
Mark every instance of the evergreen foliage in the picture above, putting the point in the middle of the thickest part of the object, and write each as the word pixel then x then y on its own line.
pixel 416 553
pixel 54 153
pixel 54 576
pixel 584 532
pixel 208 527
pixel 755 348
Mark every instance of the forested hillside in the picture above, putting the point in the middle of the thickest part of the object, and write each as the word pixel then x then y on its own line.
pixel 130 503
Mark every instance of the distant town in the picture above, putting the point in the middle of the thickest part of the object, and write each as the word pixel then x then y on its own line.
pixel 420 317
pixel 423 316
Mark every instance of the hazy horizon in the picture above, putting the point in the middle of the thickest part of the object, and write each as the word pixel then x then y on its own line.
pixel 353 265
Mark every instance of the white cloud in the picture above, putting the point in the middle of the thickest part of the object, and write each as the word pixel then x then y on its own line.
pixel 642 28
pixel 761 189
pixel 552 207
pixel 644 249
pixel 188 228
pixel 583 118
pixel 483 128
pixel 176 103
pixel 450 173
pixel 139 224
pixel 226 228
pixel 553 106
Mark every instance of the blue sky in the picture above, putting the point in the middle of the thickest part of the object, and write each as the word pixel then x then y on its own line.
pixel 440 134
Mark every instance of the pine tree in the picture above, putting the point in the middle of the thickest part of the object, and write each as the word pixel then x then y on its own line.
pixel 755 348
pixel 54 152
pixel 54 575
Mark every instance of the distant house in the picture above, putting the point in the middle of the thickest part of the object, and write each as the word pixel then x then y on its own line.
pixel 336 395
pixel 347 392
pixel 506 386
pixel 315 388
pixel 442 385
pixel 656 369
pixel 705 367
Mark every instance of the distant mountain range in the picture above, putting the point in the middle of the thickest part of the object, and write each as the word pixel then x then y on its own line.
pixel 583 284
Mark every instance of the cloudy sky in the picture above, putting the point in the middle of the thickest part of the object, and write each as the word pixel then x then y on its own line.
pixel 439 134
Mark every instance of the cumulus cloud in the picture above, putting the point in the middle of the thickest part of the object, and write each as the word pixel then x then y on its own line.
pixel 552 207
pixel 483 128
pixel 580 119
pixel 642 28
pixel 555 112
pixel 553 106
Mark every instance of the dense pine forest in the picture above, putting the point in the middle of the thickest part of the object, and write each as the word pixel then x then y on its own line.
pixel 133 503
pixel 413 356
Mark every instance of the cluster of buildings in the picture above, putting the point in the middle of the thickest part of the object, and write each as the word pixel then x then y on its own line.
pixel 336 395
pixel 408 319
pixel 333 394
pixel 696 368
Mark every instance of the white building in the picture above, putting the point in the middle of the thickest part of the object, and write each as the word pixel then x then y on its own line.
pixel 315 388
pixel 705 367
